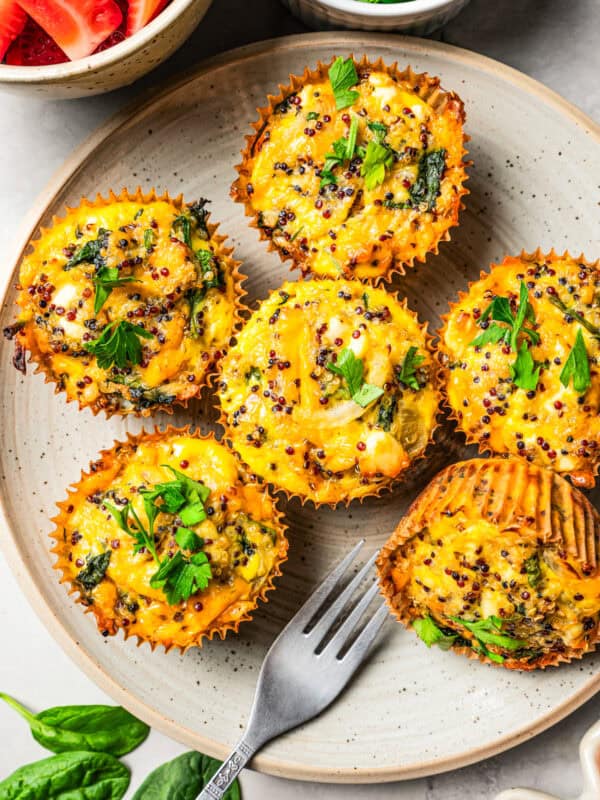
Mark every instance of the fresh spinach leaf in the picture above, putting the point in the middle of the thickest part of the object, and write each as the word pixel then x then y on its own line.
pixel 426 188
pixel 94 570
pixel 78 775
pixel 99 728
pixel 183 778
pixel 90 252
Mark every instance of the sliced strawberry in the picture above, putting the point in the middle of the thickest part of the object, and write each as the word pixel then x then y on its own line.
pixel 34 48
pixel 12 22
pixel 141 12
pixel 77 26
pixel 119 34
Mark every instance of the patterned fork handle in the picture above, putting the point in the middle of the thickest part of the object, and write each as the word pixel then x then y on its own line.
pixel 229 770
pixel 589 755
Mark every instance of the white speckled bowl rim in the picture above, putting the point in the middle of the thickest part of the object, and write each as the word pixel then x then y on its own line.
pixel 286 757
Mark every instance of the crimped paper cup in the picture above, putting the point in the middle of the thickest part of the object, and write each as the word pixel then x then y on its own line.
pixel 427 87
pixel 584 478
pixel 506 492
pixel 226 258
pixel 378 489
pixel 106 624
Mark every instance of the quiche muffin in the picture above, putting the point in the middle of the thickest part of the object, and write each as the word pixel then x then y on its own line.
pixel 330 392
pixel 167 539
pixel 498 559
pixel 520 352
pixel 127 303
pixel 356 169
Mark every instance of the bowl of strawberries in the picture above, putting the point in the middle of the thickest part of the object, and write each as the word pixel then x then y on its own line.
pixel 75 48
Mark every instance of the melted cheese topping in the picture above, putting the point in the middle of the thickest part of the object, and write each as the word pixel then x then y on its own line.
pixel 554 426
pixel 292 420
pixel 190 312
pixel 460 565
pixel 243 540
pixel 346 228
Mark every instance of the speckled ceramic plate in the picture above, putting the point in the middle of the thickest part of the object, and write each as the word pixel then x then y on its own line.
pixel 411 711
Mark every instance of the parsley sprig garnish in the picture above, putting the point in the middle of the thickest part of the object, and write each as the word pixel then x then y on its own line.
pixel 377 159
pixel 484 631
pixel 118 344
pixel 105 280
pixel 185 573
pixel 343 150
pixel 351 369
pixel 343 76
pixel 525 371
pixel 408 371
pixel 577 366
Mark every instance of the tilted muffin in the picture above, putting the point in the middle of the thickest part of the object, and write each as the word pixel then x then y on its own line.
pixel 330 392
pixel 167 539
pixel 127 303
pixel 498 559
pixel 356 170
pixel 520 352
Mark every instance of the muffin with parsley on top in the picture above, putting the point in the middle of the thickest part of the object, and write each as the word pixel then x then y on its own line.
pixel 127 303
pixel 167 539
pixel 330 392
pixel 356 170
pixel 497 559
pixel 520 352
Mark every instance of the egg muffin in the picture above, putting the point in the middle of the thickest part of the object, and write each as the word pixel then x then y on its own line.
pixel 356 169
pixel 127 303
pixel 498 559
pixel 168 539
pixel 330 392
pixel 520 352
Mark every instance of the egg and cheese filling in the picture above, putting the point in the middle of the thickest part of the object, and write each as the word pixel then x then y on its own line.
pixel 166 539
pixel 521 350
pixel 497 591
pixel 126 305
pixel 361 183
pixel 329 391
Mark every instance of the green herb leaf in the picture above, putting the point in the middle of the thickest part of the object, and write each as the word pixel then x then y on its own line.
pixel 253 375
pixel 491 335
pixel 182 228
pixel 180 577
pixel 351 369
pixel 99 728
pixel 408 370
pixel 312 115
pixel 387 412
pixel 377 159
pixel 149 239
pixel 379 129
pixel 426 188
pixel 525 372
pixel 427 630
pixel 118 344
pixel 183 778
pixel 534 572
pixel 342 76
pixel 210 269
pixel 105 280
pixel 351 140
pixel 191 488
pixel 577 366
pixel 572 312
pixel 188 540
pixel 139 533
pixel 75 775
pixel 489 631
pixel 90 252
pixel 94 570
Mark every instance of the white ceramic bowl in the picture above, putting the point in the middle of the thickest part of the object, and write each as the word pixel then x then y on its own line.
pixel 117 66
pixel 419 17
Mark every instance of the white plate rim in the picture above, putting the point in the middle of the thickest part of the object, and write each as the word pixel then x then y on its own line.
pixel 8 542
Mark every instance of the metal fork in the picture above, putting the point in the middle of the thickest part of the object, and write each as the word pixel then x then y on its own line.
pixel 307 666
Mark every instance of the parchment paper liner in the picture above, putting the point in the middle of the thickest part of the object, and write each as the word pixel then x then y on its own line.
pixel 427 87
pixel 224 255
pixel 108 623
pixel 584 478
pixel 435 377
pixel 505 492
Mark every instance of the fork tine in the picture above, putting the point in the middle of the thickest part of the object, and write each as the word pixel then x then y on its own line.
pixel 337 641
pixel 304 615
pixel 332 613
pixel 359 649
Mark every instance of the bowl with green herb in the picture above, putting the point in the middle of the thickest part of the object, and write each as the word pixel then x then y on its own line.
pixel 418 17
